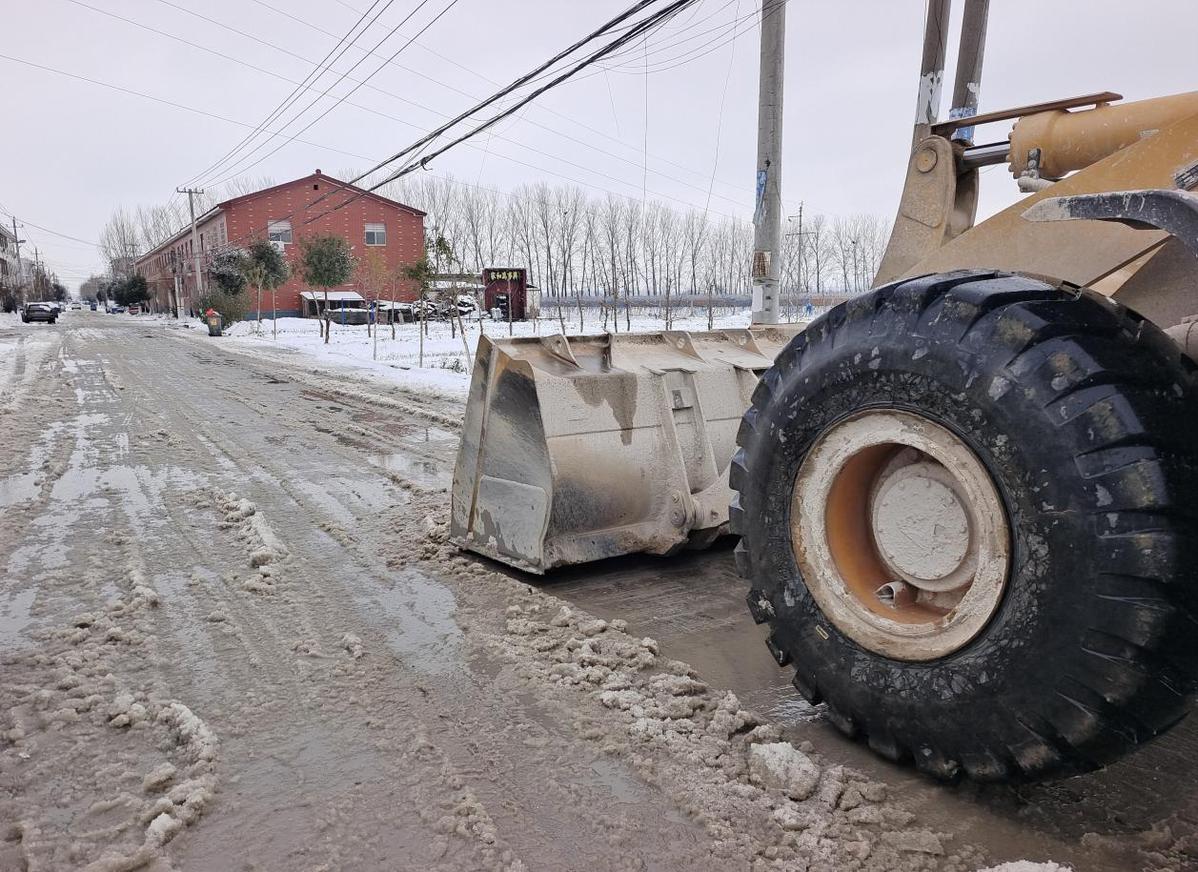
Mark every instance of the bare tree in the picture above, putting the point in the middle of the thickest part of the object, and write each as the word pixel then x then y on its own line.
pixel 120 242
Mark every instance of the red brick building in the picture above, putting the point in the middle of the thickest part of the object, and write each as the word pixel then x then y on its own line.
pixel 368 223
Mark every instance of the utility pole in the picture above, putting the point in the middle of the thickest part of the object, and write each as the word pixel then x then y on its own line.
pixel 195 242
pixel 20 269
pixel 767 215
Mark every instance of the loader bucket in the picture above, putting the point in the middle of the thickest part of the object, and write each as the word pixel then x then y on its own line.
pixel 576 449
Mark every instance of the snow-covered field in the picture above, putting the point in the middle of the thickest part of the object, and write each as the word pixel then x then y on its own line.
pixel 439 364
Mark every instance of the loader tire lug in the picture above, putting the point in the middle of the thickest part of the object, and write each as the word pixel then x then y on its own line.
pixel 806 687
pixel 759 607
pixel 744 563
pixel 779 653
pixel 735 515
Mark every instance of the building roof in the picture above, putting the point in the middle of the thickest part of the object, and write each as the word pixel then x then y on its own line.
pixel 318 175
pixel 451 285
pixel 334 296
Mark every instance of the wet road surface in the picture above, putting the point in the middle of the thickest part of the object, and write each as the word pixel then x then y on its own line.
pixel 260 503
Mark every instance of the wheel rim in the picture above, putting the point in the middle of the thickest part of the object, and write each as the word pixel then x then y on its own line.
pixel 900 534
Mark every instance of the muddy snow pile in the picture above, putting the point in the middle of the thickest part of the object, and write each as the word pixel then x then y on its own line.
pixel 62 700
pixel 764 803
pixel 265 550
pixel 756 796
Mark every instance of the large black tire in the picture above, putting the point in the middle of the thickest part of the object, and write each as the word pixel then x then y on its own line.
pixel 1084 414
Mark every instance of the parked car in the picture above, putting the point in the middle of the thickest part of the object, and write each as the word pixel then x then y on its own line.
pixel 135 310
pixel 117 310
pixel 92 304
pixel 39 312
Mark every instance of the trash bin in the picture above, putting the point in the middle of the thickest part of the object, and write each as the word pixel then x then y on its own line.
pixel 215 322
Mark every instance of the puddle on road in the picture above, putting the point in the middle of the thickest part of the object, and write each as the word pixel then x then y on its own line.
pixel 186 614
pixel 19 488
pixel 420 470
pixel 626 789
pixel 795 711
pixel 623 787
pixel 15 618
pixel 418 616
pixel 418 433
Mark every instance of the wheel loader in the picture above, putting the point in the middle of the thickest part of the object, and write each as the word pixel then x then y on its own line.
pixel 966 501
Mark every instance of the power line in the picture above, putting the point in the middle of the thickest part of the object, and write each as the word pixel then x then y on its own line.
pixel 333 149
pixel 641 28
pixel 356 87
pixel 392 94
pixel 287 101
pixel 553 61
pixel 54 232
pixel 544 108
pixel 634 65
pixel 161 100
pixel 301 88
pixel 632 32
pixel 719 127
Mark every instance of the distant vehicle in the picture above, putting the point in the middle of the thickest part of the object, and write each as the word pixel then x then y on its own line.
pixel 92 304
pixel 117 310
pixel 39 312
pixel 76 306
pixel 135 310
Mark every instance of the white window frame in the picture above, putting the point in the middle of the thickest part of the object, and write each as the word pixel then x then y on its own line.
pixel 276 229
pixel 376 228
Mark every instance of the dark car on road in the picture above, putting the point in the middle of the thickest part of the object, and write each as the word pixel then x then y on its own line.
pixel 39 312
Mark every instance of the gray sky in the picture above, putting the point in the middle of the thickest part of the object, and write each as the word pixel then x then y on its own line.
pixel 71 151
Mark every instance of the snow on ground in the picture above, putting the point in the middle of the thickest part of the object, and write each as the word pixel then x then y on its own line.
pixel 441 367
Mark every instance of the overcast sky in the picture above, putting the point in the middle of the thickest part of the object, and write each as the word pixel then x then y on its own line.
pixel 70 150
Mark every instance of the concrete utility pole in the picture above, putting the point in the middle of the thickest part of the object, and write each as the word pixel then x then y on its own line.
pixel 20 270
pixel 195 241
pixel 767 215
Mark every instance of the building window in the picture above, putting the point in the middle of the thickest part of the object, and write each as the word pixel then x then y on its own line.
pixel 376 234
pixel 279 231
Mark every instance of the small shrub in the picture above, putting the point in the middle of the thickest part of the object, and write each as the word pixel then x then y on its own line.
pixel 232 307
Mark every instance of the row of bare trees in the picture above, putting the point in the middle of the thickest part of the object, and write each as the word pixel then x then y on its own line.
pixel 131 232
pixel 576 246
pixel 579 245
